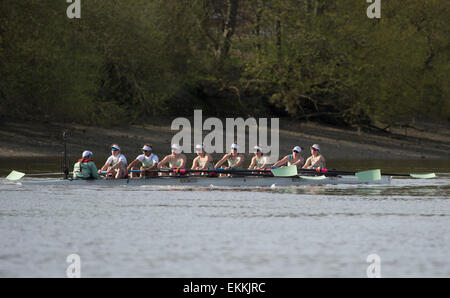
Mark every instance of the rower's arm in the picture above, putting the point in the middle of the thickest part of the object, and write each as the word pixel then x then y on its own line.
pixel 252 164
pixel 105 167
pixel 220 162
pixel 195 163
pixel 118 164
pixel 307 163
pixel 321 159
pixel 209 160
pixel 154 166
pixel 155 163
pixel 163 162
pixel 299 162
pixel 281 161
pixel 240 161
pixel 264 164
pixel 183 162
pixel 132 164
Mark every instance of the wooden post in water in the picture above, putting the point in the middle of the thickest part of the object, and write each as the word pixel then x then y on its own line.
pixel 66 168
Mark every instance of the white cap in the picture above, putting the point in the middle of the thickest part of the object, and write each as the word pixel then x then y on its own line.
pixel 257 148
pixel 147 148
pixel 315 146
pixel 176 148
pixel 199 148
pixel 86 154
pixel 115 146
pixel 235 146
pixel 297 148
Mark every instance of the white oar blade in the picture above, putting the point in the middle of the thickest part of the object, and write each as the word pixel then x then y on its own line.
pixel 14 176
pixel 285 172
pixel 423 176
pixel 372 175
pixel 313 177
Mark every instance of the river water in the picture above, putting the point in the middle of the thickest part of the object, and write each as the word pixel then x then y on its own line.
pixel 308 231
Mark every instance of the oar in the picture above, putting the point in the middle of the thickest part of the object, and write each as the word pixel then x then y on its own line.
pixel 372 175
pixel 15 175
pixel 285 172
pixel 423 176
pixel 339 172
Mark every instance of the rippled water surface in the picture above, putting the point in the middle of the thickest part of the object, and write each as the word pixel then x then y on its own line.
pixel 308 231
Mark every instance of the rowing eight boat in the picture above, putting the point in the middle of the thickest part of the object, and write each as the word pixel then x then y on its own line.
pixel 212 181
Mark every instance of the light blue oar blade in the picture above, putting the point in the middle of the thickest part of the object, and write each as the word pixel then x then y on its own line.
pixel 423 176
pixel 285 172
pixel 313 177
pixel 372 175
pixel 14 176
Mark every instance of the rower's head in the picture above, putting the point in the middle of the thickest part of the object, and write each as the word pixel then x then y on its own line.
pixel 257 150
pixel 234 149
pixel 115 149
pixel 147 149
pixel 199 149
pixel 86 155
pixel 296 150
pixel 176 150
pixel 315 149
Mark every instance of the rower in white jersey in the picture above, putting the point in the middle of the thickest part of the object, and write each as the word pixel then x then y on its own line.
pixel 234 159
pixel 203 161
pixel 116 164
pixel 148 162
pixel 294 159
pixel 316 160
pixel 175 161
pixel 259 161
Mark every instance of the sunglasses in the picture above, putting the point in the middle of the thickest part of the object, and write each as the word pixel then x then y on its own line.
pixel 114 149
pixel 295 151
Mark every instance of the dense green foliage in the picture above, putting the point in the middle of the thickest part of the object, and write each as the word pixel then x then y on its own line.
pixel 310 59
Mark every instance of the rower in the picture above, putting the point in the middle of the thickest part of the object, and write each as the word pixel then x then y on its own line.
pixel 233 158
pixel 259 162
pixel 316 160
pixel 116 164
pixel 176 160
pixel 85 168
pixel 203 161
pixel 294 159
pixel 148 161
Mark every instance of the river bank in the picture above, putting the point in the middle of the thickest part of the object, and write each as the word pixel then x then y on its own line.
pixel 28 139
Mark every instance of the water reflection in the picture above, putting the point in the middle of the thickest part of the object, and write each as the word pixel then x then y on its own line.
pixel 393 191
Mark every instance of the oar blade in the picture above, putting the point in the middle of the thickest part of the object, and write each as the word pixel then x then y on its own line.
pixel 423 176
pixel 323 177
pixel 14 176
pixel 372 175
pixel 285 172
